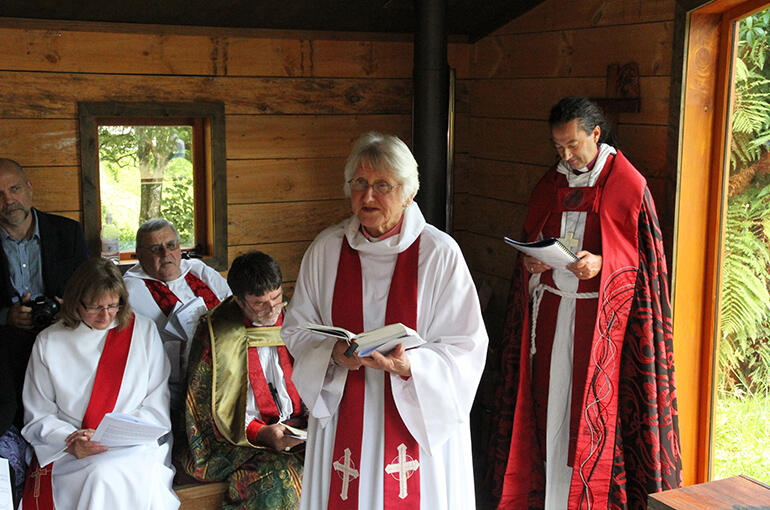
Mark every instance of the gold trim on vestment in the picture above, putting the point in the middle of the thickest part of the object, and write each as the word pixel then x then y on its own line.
pixel 230 340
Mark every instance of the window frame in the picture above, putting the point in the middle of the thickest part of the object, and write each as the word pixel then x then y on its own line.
pixel 707 44
pixel 210 185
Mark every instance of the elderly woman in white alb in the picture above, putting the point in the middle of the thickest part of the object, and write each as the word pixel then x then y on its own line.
pixel 404 441
pixel 99 358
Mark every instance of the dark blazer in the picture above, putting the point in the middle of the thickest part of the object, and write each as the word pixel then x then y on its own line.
pixel 62 250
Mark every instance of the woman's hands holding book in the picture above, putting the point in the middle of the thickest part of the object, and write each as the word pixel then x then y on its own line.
pixel 338 356
pixel 396 362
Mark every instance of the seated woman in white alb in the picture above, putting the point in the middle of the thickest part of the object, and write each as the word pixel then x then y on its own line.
pixel 99 358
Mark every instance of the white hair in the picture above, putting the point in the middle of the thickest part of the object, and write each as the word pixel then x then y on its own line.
pixel 385 153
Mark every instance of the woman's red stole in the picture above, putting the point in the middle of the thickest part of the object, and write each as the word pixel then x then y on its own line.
pixel 38 491
pixel 401 479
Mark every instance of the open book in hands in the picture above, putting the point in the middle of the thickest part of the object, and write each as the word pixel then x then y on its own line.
pixel 382 340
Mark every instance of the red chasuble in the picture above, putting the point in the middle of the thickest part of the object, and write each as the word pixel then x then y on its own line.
pixel 166 300
pixel 38 494
pixel 401 479
pixel 624 429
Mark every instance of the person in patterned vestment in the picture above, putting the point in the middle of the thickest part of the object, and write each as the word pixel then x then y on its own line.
pixel 240 397
pixel 588 415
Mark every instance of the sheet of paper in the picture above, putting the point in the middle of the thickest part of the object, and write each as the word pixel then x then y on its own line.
pixel 172 328
pixel 188 316
pixel 6 496
pixel 117 429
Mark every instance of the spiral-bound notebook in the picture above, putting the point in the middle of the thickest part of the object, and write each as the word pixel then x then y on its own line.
pixel 550 251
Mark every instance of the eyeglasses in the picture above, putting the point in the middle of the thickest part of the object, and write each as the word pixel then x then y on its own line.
pixel 359 184
pixel 266 306
pixel 157 249
pixel 100 309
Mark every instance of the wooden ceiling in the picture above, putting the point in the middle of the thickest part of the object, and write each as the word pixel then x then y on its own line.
pixel 471 19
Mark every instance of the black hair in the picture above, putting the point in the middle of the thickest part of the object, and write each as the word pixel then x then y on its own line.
pixel 588 114
pixel 253 273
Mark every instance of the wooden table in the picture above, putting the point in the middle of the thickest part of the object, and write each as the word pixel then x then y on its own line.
pixel 735 493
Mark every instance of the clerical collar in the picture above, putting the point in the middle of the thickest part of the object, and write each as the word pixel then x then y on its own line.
pixel 390 233
pixel 588 167
pixel 250 324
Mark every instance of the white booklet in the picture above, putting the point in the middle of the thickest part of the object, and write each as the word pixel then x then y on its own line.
pixel 118 429
pixel 550 251
pixel 6 495
pixel 295 432
pixel 382 340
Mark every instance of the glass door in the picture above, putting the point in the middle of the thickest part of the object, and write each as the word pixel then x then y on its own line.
pixel 741 419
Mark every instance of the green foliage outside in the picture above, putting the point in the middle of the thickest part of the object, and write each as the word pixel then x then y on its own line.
pixel 742 428
pixel 129 154
pixel 751 113
pixel 742 442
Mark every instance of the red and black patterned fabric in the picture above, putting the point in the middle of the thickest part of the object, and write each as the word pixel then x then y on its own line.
pixel 647 450
pixel 627 444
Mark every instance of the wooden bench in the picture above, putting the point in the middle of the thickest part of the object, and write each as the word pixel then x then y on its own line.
pixel 737 492
pixel 201 496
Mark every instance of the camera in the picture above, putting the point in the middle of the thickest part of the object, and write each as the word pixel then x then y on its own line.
pixel 44 310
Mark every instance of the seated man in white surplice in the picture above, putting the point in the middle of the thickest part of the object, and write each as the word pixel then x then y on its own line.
pixel 168 289
pixel 99 358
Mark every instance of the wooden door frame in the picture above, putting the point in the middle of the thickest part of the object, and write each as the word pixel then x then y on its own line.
pixel 701 205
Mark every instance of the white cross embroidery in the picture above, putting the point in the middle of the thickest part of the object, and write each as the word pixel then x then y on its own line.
pixel 347 471
pixel 570 241
pixel 404 466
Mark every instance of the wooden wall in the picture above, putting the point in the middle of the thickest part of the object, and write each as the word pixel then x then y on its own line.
pixel 294 104
pixel 559 48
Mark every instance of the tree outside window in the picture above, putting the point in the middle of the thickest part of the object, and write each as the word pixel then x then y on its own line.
pixel 146 160
pixel 147 172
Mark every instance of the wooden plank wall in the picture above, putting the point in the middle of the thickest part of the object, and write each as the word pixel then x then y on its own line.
pixel 559 48
pixel 294 104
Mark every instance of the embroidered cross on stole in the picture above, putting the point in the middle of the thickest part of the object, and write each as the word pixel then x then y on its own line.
pixel 400 472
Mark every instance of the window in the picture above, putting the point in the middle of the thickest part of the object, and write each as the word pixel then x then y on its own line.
pixel 142 161
pixel 740 440
pixel 715 89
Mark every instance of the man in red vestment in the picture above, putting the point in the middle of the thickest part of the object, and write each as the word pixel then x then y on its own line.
pixel 588 414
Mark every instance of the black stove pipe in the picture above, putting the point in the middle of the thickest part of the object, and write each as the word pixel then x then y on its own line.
pixel 431 109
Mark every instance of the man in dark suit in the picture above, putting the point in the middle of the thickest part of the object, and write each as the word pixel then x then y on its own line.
pixel 39 253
